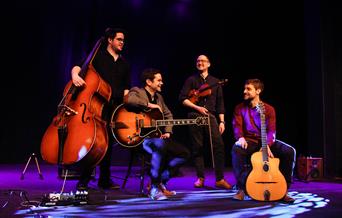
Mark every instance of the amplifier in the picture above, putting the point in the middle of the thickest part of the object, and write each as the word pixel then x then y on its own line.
pixel 310 168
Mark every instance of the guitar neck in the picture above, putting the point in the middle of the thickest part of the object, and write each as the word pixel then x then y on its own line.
pixel 263 138
pixel 175 122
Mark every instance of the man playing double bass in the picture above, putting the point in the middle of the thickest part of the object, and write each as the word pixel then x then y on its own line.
pixel 115 70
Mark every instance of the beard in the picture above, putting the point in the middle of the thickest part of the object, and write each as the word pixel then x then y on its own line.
pixel 247 99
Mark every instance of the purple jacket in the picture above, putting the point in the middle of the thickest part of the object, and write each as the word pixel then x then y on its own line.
pixel 246 123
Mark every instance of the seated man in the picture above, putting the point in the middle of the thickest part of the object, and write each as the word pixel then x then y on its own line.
pixel 146 98
pixel 247 132
pixel 175 156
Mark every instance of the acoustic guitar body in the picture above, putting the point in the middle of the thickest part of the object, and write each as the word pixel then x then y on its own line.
pixel 265 182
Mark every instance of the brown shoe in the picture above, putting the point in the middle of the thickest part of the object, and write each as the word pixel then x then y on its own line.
pixel 162 188
pixel 223 184
pixel 165 191
pixel 288 199
pixel 240 195
pixel 199 183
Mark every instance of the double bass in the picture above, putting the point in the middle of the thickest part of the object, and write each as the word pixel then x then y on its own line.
pixel 77 135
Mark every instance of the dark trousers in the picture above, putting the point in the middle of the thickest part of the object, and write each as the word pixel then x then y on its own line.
pixel 242 164
pixel 198 134
pixel 176 156
pixel 166 157
pixel 105 163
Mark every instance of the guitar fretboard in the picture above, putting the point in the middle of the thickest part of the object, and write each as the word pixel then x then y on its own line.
pixel 261 109
pixel 180 122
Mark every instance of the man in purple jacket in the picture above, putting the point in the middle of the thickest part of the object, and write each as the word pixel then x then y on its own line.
pixel 247 131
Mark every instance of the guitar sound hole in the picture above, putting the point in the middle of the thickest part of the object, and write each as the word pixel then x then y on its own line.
pixel 265 167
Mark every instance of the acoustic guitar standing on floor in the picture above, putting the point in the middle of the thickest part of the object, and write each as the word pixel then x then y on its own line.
pixel 265 182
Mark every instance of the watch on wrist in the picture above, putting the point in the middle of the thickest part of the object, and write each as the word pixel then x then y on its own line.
pixel 223 122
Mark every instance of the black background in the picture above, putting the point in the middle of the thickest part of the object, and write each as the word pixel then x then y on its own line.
pixel 293 46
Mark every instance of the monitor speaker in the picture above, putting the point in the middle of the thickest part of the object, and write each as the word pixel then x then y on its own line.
pixel 310 168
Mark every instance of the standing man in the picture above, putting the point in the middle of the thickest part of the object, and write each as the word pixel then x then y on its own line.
pixel 115 70
pixel 211 105
pixel 164 160
pixel 247 132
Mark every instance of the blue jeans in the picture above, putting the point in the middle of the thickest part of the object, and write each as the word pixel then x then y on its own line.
pixel 242 165
pixel 166 157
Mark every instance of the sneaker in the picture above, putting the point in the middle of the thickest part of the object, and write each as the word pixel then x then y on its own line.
pixel 162 188
pixel 156 194
pixel 288 199
pixel 199 183
pixel 165 191
pixel 222 184
pixel 240 195
pixel 108 184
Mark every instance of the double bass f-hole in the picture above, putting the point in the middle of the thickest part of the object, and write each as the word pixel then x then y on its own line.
pixel 83 113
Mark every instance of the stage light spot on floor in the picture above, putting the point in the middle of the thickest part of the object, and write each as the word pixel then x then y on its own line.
pixel 219 203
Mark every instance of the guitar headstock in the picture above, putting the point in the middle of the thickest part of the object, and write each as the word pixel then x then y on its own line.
pixel 202 121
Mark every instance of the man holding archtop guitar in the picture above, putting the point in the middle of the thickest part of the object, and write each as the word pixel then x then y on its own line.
pixel 254 126
pixel 149 98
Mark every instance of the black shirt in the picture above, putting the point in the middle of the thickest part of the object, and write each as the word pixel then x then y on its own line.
pixel 213 102
pixel 116 73
pixel 150 99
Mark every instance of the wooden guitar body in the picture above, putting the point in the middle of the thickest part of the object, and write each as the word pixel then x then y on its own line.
pixel 130 126
pixel 265 182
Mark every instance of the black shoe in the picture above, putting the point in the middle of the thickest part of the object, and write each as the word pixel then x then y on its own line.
pixel 81 186
pixel 108 184
pixel 287 199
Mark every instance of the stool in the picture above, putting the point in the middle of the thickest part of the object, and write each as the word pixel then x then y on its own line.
pixel 144 167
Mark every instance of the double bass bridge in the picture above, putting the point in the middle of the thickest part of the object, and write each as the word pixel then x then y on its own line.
pixel 66 110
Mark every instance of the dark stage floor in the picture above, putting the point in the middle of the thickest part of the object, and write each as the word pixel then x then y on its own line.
pixel 23 197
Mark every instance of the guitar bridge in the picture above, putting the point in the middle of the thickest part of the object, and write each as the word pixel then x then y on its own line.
pixel 267 195
pixel 132 139
pixel 140 123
